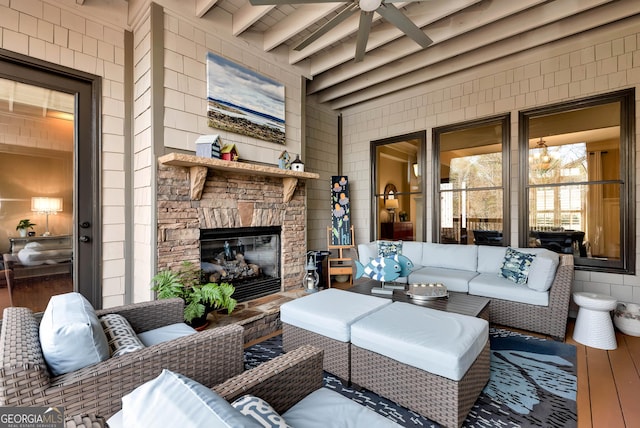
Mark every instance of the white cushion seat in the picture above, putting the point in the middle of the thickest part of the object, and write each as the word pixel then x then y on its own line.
pixel 330 312
pixel 165 333
pixel 438 342
pixel 313 412
pixel 453 279
pixel 492 286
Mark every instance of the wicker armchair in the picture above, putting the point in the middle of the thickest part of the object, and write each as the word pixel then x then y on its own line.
pixel 209 357
pixel 282 382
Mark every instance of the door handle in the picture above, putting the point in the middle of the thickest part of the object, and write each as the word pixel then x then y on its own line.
pixel 85 238
pixel 85 225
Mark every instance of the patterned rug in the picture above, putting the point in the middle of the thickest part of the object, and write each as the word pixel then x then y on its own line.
pixel 532 384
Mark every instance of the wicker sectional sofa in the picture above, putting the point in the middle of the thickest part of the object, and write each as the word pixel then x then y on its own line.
pixel 474 269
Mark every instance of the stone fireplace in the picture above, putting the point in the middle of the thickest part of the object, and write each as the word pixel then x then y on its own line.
pixel 196 194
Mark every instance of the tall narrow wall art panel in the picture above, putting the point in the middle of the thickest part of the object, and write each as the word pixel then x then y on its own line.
pixel 341 211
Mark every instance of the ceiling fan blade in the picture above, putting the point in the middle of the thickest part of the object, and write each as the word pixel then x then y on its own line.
pixel 344 14
pixel 363 34
pixel 400 20
pixel 279 2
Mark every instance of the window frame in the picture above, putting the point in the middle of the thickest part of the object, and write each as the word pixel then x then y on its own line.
pixel 626 98
pixel 504 120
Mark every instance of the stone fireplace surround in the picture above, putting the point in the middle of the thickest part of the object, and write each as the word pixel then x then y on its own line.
pixel 232 196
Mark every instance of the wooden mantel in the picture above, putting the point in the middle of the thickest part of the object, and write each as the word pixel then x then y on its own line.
pixel 198 167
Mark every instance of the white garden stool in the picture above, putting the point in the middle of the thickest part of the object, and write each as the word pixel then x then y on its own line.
pixel 594 326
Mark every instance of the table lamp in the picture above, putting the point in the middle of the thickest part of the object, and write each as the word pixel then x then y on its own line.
pixel 44 205
pixel 391 205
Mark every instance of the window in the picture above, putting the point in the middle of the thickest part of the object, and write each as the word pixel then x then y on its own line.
pixel 471 182
pixel 577 188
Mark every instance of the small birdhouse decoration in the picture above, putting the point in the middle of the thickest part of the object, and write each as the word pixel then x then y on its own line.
pixel 297 164
pixel 284 160
pixel 209 146
pixel 229 152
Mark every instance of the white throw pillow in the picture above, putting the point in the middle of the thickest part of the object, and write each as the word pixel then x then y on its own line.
pixel 543 271
pixel 173 400
pixel 71 335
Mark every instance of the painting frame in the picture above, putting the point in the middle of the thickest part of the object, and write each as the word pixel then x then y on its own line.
pixel 242 101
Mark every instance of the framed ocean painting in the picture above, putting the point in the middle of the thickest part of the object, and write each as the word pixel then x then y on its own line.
pixel 244 102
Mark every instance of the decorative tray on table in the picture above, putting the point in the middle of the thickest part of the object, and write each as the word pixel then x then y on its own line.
pixel 429 291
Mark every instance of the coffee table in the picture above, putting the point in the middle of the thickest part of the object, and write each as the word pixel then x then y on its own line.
pixel 460 303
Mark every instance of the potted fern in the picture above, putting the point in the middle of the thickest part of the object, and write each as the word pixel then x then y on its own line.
pixel 199 299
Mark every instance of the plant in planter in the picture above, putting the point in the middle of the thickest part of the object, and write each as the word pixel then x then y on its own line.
pixel 23 226
pixel 199 299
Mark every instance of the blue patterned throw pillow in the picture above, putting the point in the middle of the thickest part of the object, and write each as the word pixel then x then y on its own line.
pixel 516 265
pixel 389 248
pixel 260 410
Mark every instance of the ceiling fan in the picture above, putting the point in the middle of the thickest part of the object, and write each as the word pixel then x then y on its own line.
pixel 367 7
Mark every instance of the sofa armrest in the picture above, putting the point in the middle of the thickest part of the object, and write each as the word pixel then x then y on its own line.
pixel 208 357
pixel 282 381
pixel 23 370
pixel 146 316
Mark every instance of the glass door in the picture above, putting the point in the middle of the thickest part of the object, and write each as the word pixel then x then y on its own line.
pixel 45 228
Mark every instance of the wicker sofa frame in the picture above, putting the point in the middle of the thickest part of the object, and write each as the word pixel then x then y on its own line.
pixel 440 399
pixel 282 382
pixel 550 320
pixel 209 357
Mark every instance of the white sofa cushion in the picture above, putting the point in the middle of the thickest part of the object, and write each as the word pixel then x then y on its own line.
pixel 492 286
pixel 461 257
pixel 71 335
pixel 367 252
pixel 165 333
pixel 330 312
pixel 173 400
pixel 542 271
pixel 324 408
pixel 442 343
pixel 453 279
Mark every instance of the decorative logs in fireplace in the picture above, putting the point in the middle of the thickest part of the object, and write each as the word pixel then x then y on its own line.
pixel 247 257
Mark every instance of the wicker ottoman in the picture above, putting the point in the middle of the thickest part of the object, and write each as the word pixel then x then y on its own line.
pixel 324 320
pixel 433 362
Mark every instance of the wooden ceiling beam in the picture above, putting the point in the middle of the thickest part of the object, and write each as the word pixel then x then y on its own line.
pixel 248 15
pixel 296 22
pixel 467 20
pixel 203 6
pixel 393 82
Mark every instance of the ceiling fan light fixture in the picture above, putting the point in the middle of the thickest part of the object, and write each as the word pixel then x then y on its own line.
pixel 370 5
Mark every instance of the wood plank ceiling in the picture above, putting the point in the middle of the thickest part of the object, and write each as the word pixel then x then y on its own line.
pixel 465 33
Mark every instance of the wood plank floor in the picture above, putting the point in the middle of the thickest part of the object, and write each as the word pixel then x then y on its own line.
pixel 608 383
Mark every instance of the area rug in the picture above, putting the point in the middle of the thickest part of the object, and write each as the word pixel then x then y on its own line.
pixel 532 384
